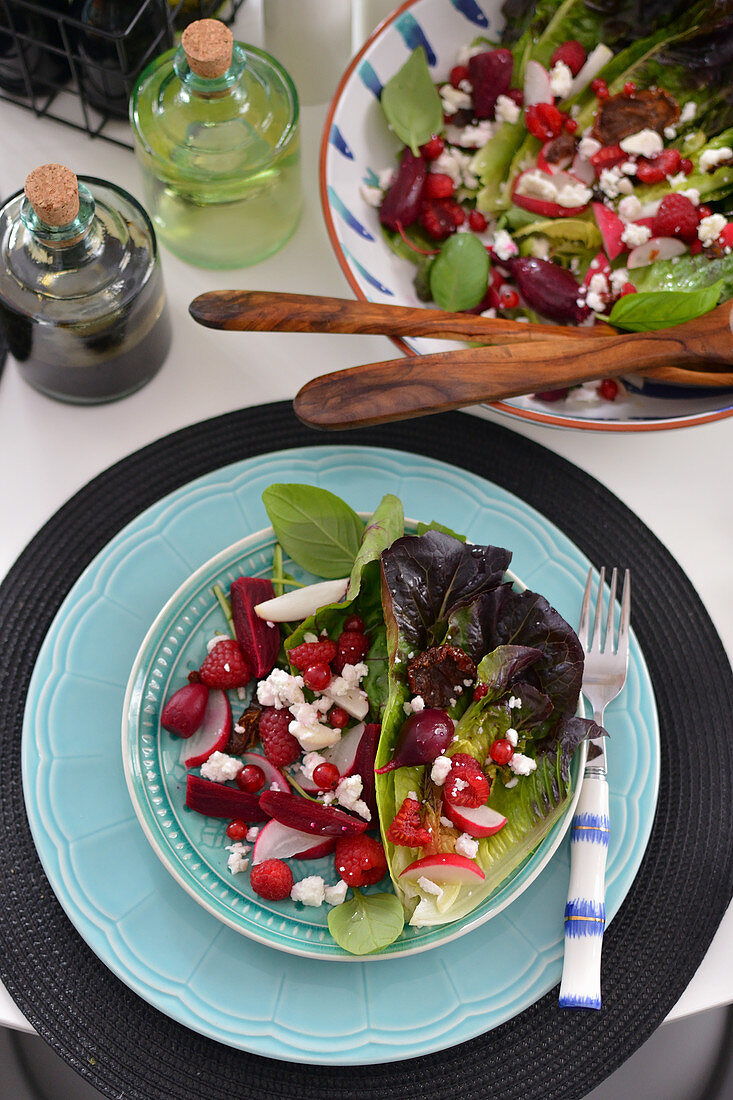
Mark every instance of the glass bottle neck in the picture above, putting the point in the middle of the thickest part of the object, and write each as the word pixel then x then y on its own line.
pixel 209 88
pixel 78 232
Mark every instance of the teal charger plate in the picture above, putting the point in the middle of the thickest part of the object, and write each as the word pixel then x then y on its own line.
pixel 148 931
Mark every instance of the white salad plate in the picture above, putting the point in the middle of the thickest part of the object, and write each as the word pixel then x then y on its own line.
pixel 356 146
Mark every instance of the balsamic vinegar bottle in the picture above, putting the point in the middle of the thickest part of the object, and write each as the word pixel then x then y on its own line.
pixel 34 64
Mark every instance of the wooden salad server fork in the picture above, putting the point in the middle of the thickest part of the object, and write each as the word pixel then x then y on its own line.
pixel 398 389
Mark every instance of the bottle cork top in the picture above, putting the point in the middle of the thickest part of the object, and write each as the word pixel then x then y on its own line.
pixel 208 45
pixel 53 192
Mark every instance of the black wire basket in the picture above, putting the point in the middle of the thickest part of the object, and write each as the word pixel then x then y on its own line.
pixel 77 61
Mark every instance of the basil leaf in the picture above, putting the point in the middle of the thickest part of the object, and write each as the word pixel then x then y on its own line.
pixel 315 528
pixel 411 102
pixel 367 923
pixel 645 312
pixel 459 276
pixel 386 525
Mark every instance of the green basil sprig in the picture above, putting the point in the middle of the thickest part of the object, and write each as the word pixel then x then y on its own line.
pixel 367 923
pixel 315 528
pixel 654 309
pixel 411 103
pixel 459 276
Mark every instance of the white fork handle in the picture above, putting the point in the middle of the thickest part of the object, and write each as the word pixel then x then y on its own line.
pixel 585 912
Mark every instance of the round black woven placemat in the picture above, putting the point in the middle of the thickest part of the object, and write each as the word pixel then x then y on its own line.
pixel 128 1049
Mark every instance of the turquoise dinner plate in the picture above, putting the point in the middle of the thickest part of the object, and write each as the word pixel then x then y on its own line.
pixel 148 930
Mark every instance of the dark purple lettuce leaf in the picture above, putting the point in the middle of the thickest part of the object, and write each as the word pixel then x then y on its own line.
pixel 426 579
pixel 499 668
pixel 535 710
pixel 561 745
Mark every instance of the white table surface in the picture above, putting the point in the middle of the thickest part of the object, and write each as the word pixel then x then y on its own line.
pixel 675 481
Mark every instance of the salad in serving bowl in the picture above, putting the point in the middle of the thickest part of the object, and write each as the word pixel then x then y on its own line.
pixel 563 162
pixel 407 721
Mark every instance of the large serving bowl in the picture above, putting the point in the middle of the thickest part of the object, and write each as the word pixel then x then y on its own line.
pixel 357 146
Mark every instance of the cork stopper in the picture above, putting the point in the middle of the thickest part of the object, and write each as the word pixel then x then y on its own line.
pixel 208 45
pixel 53 192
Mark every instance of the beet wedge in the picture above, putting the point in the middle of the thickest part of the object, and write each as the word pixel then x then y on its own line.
pixel 364 765
pixel 259 640
pixel 218 800
pixel 310 817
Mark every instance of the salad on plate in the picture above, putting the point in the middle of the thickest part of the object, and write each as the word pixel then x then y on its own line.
pixel 577 169
pixel 411 717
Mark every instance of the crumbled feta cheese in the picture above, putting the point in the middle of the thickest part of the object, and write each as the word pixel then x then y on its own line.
pixel 678 180
pixel 629 208
pixel 688 111
pixel 311 890
pixel 506 110
pixel 237 861
pixel 336 895
pixel 670 132
pixel 490 313
pixel 456 164
pixel 459 784
pixel 710 228
pixel 465 54
pixel 440 769
pixel 372 196
pixel 429 887
pixel 504 246
pixel 446 822
pixel 280 689
pixel 413 795
pixel 644 143
pixel 539 247
pixel 512 737
pixel 454 99
pixel 309 731
pixel 514 702
pixel 613 182
pixel 628 168
pixel 618 278
pixel 521 764
pixel 588 147
pixel 414 705
pixel 215 641
pixel 473 136
pixel 561 79
pixel 537 185
pixel 634 234
pixel 511 783
pixel 711 158
pixel 692 194
pixel 252 833
pixel 467 846
pixel 347 795
pixel 311 760
pixel 310 637
pixel 597 292
pixel 220 767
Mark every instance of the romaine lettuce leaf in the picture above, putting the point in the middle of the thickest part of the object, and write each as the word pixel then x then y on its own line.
pixel 689 273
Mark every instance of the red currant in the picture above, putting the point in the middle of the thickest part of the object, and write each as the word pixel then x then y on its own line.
pixel 703 212
pixel 354 622
pixel 571 125
pixel 432 149
pixel 509 299
pixel 501 751
pixel 608 389
pixel 236 830
pixel 338 718
pixel 479 691
pixel 627 288
pixel 686 165
pixel 629 87
pixel 477 221
pixel 251 778
pixel 599 88
pixel 326 777
pixel 317 677
pixel 457 74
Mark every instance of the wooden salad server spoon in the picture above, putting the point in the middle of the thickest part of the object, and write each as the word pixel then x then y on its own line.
pixel 397 389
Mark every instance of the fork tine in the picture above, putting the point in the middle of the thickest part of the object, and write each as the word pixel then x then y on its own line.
pixel 624 621
pixel 585 612
pixel 596 642
pixel 608 643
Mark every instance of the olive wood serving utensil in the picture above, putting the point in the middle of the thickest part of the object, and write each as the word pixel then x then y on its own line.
pixel 417 385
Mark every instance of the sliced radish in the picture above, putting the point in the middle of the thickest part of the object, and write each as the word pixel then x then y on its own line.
pixel 546 207
pixel 476 820
pixel 213 734
pixel 212 799
pixel 552 167
pixel 597 59
pixel 583 170
pixel 310 817
pixel 184 711
pixel 354 701
pixel 599 265
pixel 657 248
pixel 445 867
pixel 611 228
pixel 302 602
pixel 274 778
pixel 342 755
pixel 278 841
pixel 537 84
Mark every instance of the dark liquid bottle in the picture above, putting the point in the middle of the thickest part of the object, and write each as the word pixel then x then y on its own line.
pixel 32 57
pixel 116 40
pixel 82 302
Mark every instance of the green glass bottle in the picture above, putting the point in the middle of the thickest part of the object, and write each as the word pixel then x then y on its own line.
pixel 215 124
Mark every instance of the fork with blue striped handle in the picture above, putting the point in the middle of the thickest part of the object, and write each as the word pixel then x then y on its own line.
pixel 604 675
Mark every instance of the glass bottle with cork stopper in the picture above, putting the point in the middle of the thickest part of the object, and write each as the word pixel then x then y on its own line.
pixel 216 131
pixel 82 301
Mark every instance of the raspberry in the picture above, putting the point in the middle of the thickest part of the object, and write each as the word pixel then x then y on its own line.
pixel 629 88
pixel 432 149
pixel 473 788
pixel 354 622
pixel 438 186
pixel 436 220
pixel 279 745
pixel 407 830
pixel 544 121
pixel 352 648
pixel 725 240
pixel 457 213
pixel 607 157
pixel 676 217
pixel 481 689
pixel 272 880
pixel 571 54
pixel 686 165
pixel 312 653
pixel 656 169
pixel 225 667
pixel 360 860
pixel 477 221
